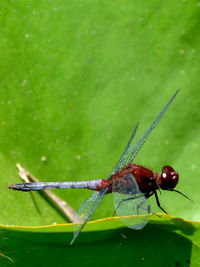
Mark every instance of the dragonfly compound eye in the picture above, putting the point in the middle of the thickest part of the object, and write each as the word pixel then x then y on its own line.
pixel 168 179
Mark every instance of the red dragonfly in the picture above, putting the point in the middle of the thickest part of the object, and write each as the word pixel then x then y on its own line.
pixel 130 184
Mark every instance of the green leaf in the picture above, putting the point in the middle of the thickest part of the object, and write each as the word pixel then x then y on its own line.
pixel 75 78
pixel 173 240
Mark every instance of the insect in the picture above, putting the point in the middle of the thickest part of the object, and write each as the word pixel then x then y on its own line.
pixel 130 184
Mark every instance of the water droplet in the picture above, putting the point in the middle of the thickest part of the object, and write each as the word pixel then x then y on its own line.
pixel 23 83
pixel 78 157
pixel 193 167
pixel 166 142
pixel 43 158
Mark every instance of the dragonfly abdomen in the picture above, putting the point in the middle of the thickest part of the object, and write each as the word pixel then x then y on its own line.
pixel 92 184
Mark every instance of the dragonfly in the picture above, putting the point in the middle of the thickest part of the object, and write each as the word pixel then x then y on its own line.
pixel 131 185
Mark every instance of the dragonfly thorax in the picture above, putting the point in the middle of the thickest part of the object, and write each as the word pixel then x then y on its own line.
pixel 144 177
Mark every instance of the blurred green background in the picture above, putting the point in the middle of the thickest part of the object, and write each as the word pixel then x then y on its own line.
pixel 75 78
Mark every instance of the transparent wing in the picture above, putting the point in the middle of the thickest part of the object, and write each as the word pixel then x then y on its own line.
pixel 86 210
pixel 128 200
pixel 132 150
pixel 123 157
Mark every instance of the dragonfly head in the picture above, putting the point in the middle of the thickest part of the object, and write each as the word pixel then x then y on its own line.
pixel 168 178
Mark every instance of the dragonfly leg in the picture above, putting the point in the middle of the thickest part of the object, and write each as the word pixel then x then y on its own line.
pixel 124 200
pixel 141 202
pixel 158 202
